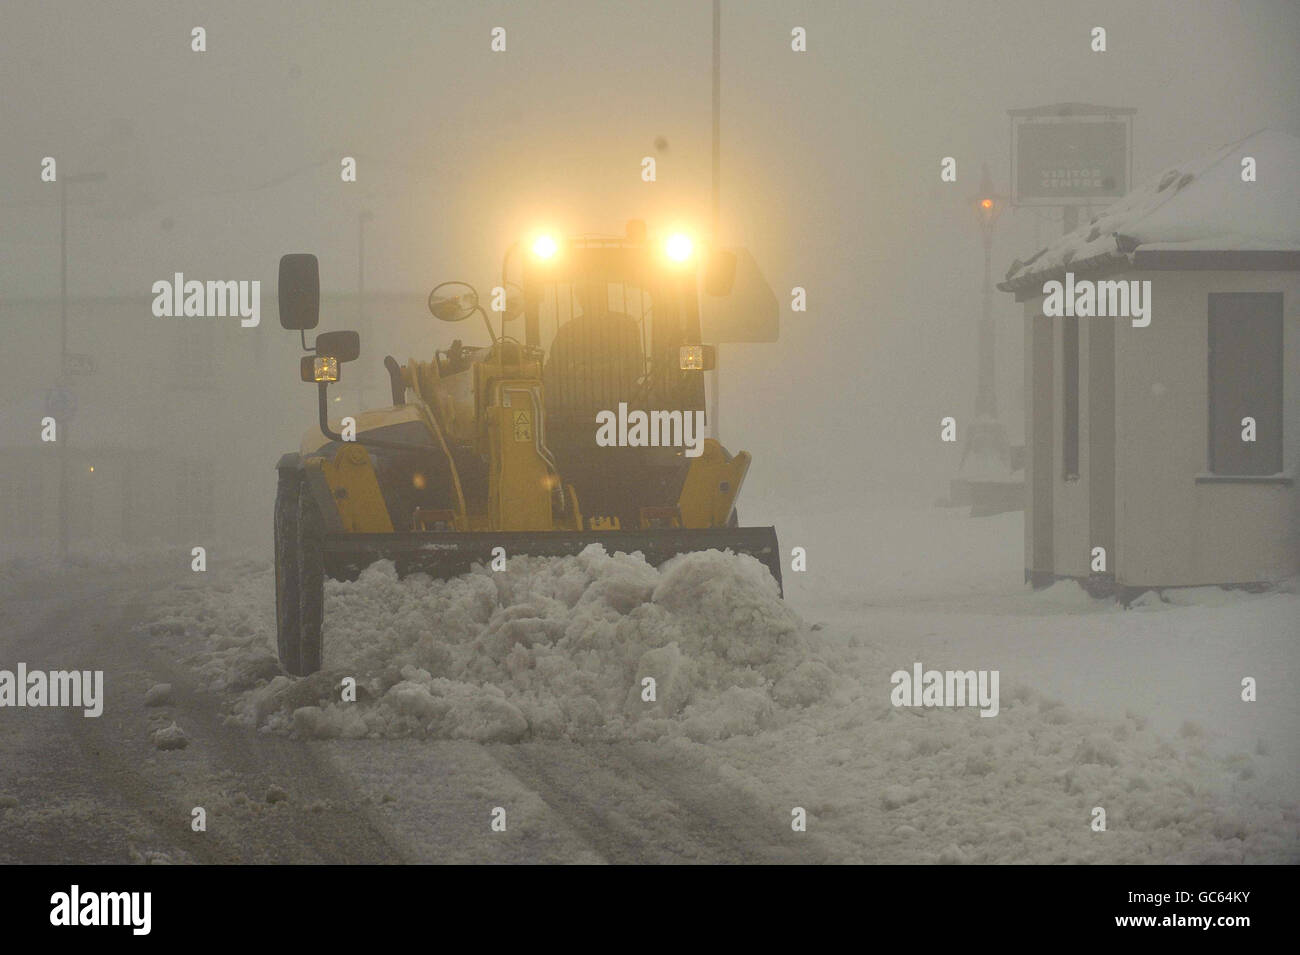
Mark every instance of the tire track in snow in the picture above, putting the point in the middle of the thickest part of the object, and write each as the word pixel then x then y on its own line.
pixel 96 790
pixel 633 803
pixel 324 819
pixel 64 813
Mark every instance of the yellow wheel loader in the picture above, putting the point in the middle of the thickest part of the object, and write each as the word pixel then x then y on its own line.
pixel 585 424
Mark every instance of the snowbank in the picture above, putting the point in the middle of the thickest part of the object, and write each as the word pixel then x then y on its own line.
pixel 550 648
pixel 902 785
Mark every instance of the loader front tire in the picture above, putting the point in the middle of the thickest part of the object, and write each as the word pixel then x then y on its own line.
pixel 287 629
pixel 311 584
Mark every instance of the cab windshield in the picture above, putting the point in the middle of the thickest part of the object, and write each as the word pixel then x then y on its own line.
pixel 608 341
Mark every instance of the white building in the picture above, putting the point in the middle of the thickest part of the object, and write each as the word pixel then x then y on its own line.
pixel 1166 455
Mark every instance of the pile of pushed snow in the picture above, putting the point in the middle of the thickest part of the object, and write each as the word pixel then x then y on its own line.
pixel 550 648
pixel 889 784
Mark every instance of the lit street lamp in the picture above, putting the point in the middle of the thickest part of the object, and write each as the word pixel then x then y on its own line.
pixel 988 207
pixel 985 470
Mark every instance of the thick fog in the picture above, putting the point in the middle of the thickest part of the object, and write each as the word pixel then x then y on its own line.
pixel 216 163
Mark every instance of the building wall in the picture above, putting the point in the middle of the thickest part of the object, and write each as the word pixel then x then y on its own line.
pixel 1039 422
pixel 1070 537
pixel 1059 511
pixel 1169 528
pixel 1174 530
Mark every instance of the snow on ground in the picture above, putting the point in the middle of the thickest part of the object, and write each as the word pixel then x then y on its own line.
pixel 1136 711
pixel 896 550
pixel 549 649
pixel 27 569
pixel 946 587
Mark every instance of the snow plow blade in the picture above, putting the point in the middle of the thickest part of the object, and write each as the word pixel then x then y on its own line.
pixel 445 555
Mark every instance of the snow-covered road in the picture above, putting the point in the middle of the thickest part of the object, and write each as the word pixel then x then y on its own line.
pixel 98 790
pixel 74 789
pixel 516 698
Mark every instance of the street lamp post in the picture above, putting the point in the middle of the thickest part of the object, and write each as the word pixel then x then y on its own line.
pixel 362 218
pixel 986 454
pixel 988 208
pixel 717 113
pixel 986 393
pixel 64 430
pixel 717 182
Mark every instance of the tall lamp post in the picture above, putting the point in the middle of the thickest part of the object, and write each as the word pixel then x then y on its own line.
pixel 988 208
pixel 362 218
pixel 986 453
pixel 717 181
pixel 64 182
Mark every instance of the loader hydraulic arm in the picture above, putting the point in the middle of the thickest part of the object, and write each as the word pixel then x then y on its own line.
pixel 395 381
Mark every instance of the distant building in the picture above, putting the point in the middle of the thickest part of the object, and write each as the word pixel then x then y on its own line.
pixel 181 420
pixel 1172 447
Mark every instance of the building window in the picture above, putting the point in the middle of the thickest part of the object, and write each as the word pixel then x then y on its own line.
pixel 1245 382
pixel 1070 400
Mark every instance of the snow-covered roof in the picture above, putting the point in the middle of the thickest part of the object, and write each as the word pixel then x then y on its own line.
pixel 1202 205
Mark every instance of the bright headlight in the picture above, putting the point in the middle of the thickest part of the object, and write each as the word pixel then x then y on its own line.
pixel 678 247
pixel 545 246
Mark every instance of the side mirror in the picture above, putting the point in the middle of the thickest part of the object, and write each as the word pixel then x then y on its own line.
pixel 299 291
pixel 720 272
pixel 748 313
pixel 345 346
pixel 456 304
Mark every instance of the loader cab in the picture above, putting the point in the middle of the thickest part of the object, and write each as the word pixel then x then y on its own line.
pixel 611 317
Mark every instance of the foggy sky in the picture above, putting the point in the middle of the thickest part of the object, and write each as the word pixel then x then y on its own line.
pixel 830 165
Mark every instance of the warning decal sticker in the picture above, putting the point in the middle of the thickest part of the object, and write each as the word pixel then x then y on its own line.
pixel 523 426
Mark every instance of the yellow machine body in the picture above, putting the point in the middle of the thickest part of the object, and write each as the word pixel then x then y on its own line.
pixel 467 454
